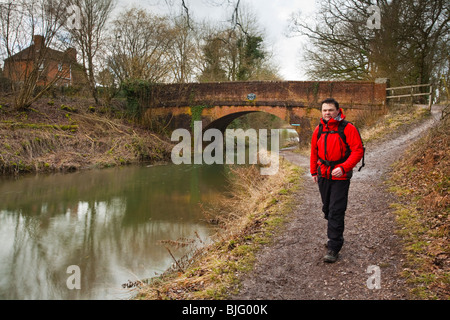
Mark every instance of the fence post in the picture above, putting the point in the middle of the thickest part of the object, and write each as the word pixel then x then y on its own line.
pixel 430 98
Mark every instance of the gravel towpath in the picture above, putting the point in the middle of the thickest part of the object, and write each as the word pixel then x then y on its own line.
pixel 292 267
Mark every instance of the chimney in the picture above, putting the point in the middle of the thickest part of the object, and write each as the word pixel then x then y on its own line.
pixel 71 54
pixel 38 41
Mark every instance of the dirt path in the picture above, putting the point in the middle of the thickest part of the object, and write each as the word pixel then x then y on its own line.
pixel 292 267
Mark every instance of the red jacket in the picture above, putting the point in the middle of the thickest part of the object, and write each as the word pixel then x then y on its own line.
pixel 335 149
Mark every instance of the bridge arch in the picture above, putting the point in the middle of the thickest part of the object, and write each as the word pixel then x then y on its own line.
pixel 296 102
pixel 223 122
pixel 220 119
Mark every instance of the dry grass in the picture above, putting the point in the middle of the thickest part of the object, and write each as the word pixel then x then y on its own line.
pixel 247 218
pixel 398 115
pixel 71 135
pixel 422 180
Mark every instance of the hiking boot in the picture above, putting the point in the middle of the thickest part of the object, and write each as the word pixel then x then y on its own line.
pixel 331 256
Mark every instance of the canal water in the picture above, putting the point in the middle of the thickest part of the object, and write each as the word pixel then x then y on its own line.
pixel 106 222
pixel 83 235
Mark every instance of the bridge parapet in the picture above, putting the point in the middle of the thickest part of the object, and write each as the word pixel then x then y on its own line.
pixel 172 106
pixel 350 94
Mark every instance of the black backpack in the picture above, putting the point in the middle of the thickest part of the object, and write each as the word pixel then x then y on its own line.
pixel 340 131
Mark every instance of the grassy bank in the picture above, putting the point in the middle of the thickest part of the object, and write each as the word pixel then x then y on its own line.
pixel 70 134
pixel 399 118
pixel 247 217
pixel 421 182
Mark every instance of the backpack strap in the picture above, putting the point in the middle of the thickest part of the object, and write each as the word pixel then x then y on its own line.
pixel 341 128
pixel 319 133
pixel 341 133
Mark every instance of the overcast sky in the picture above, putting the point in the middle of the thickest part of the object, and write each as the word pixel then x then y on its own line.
pixel 273 17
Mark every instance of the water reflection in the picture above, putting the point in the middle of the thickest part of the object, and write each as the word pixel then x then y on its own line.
pixel 107 222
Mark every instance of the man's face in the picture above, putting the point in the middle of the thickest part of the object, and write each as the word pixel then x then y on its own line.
pixel 329 111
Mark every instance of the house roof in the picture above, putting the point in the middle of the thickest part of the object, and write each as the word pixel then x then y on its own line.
pixel 29 54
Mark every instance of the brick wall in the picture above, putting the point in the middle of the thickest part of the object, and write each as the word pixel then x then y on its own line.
pixel 350 94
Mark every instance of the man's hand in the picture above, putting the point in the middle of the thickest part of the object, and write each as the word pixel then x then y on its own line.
pixel 337 172
pixel 315 178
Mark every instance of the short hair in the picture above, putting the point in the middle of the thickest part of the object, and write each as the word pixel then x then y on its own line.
pixel 330 101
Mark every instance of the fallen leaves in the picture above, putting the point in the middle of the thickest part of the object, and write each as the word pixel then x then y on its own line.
pixel 421 181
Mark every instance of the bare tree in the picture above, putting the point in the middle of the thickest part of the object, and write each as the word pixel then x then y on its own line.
pixel 339 38
pixel 213 55
pixel 236 51
pixel 140 45
pixel 184 4
pixel 404 48
pixel 428 29
pixel 28 33
pixel 90 35
pixel 183 53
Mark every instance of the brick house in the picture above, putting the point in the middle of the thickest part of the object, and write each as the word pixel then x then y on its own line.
pixel 56 66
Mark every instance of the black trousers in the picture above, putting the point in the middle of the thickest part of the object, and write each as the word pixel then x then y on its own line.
pixel 334 194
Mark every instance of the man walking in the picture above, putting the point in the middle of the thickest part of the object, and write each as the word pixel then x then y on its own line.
pixel 336 148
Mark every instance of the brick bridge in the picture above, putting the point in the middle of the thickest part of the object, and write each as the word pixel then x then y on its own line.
pixel 173 106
